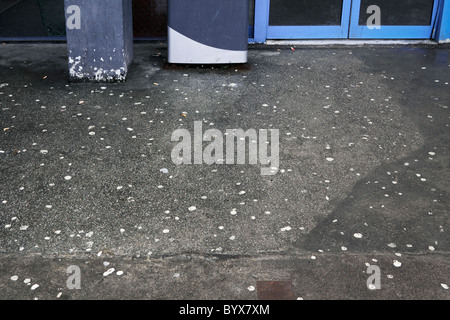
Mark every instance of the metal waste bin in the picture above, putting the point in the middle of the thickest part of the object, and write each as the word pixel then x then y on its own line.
pixel 207 31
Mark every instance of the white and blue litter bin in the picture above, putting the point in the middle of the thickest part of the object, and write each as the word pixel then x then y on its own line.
pixel 207 31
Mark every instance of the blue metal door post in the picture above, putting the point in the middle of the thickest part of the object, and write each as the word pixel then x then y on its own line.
pixel 443 25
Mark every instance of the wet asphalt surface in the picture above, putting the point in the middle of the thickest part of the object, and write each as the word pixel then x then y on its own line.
pixel 87 177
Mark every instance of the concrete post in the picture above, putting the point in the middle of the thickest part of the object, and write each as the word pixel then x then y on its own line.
pixel 99 39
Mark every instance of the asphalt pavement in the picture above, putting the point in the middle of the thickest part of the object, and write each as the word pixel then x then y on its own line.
pixel 92 205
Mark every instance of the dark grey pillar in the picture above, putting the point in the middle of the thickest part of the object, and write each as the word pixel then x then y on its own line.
pixel 99 39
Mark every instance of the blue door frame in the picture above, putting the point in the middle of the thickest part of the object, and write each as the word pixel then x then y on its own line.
pixel 390 32
pixel 314 32
pixel 349 27
pixel 263 30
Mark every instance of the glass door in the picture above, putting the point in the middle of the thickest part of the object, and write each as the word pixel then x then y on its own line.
pixel 308 19
pixel 393 19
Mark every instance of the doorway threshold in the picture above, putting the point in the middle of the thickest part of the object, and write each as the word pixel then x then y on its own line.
pixel 349 42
